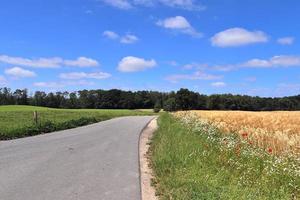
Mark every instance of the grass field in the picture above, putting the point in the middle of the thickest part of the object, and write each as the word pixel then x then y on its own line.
pixel 18 121
pixel 193 159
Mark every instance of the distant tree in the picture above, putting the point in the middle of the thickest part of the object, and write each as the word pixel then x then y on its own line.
pixel 186 100
pixel 21 97
pixel 170 105
pixel 183 99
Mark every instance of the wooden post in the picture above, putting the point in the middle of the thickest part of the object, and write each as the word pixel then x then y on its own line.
pixel 35 117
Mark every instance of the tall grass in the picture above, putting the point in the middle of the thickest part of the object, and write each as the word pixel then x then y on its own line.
pixel 194 160
pixel 18 121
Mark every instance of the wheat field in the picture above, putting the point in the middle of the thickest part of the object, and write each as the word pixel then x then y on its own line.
pixel 277 132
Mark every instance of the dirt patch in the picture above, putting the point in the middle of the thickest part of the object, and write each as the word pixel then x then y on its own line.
pixel 147 191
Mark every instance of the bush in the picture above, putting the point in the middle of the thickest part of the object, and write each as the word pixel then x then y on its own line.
pixel 157 107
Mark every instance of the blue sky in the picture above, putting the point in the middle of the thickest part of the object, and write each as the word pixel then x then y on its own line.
pixel 209 46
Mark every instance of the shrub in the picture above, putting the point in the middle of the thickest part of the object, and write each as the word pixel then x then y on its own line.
pixel 157 107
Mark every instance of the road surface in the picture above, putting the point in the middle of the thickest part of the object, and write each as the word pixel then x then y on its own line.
pixel 95 162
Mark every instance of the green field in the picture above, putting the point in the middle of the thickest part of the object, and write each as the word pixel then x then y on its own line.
pixel 190 162
pixel 18 121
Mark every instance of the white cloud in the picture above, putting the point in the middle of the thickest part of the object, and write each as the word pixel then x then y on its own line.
pixel 224 68
pixel 62 84
pixel 273 62
pixel 54 62
pixel 286 40
pixel 257 63
pixel 195 76
pixel 121 4
pixel 185 4
pixel 128 4
pixel 18 72
pixel 83 75
pixel 82 62
pixel 48 84
pixel 129 39
pixel 218 84
pixel 276 61
pixel 110 35
pixel 134 64
pixel 238 37
pixel 198 66
pixel 126 39
pixel 286 61
pixel 179 24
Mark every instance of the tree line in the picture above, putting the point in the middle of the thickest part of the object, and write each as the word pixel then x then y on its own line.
pixel 183 99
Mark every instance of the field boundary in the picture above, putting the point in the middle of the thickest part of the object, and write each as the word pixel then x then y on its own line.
pixel 146 173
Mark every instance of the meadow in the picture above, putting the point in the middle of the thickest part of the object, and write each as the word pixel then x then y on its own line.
pixel 18 121
pixel 227 155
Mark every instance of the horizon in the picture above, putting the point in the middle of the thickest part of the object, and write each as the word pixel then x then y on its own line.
pixel 241 48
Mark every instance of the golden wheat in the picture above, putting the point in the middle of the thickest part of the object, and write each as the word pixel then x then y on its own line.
pixel 279 132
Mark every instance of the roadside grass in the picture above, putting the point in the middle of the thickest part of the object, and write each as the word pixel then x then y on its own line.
pixel 190 162
pixel 18 121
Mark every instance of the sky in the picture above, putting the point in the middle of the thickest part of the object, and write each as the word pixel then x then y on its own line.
pixel 247 47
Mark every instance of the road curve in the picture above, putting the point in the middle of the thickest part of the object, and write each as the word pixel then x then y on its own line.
pixel 95 162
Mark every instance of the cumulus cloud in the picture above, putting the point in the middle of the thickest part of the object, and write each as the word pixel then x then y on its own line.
pixel 238 37
pixel 134 64
pixel 81 62
pixel 18 72
pixel 54 62
pixel 110 35
pixel 218 84
pixel 129 39
pixel 179 24
pixel 84 75
pixel 182 4
pixel 126 39
pixel 286 41
pixel 199 75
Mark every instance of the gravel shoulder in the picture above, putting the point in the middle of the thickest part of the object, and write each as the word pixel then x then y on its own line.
pixel 147 190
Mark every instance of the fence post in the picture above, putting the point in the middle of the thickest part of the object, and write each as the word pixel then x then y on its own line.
pixel 35 117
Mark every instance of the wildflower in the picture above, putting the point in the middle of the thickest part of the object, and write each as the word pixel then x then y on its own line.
pixel 270 150
pixel 245 135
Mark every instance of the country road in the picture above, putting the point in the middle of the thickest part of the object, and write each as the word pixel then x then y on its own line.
pixel 95 162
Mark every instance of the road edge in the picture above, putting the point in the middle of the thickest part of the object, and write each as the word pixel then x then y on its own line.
pixel 146 175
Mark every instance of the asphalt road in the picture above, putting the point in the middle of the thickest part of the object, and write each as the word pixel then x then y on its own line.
pixel 95 162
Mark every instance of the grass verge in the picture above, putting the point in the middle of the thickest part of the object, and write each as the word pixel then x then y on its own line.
pixel 17 121
pixel 190 162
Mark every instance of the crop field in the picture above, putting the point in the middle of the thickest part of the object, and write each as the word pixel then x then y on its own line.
pixel 18 121
pixel 276 132
pixel 227 155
